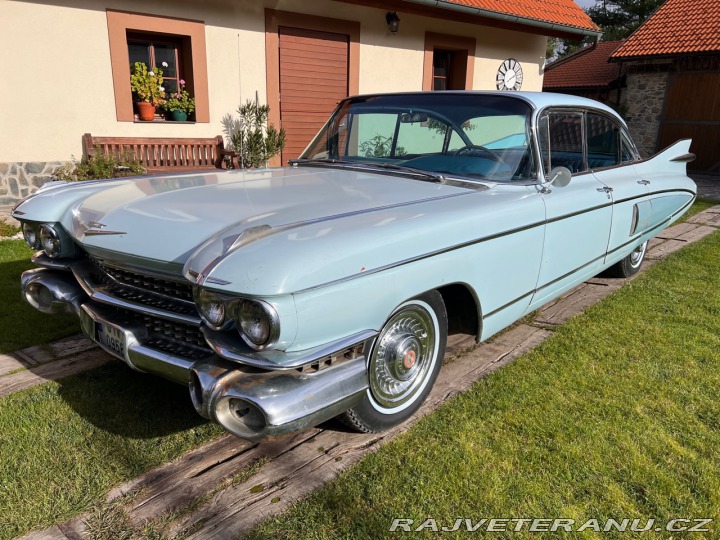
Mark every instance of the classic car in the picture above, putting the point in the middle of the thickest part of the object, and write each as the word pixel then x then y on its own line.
pixel 285 297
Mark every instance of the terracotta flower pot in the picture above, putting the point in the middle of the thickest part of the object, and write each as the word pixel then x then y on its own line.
pixel 146 111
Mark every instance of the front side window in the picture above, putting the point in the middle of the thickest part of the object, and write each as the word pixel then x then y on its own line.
pixel 603 138
pixel 474 136
pixel 560 136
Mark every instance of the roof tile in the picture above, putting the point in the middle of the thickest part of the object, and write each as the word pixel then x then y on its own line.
pixel 561 12
pixel 678 27
pixel 587 67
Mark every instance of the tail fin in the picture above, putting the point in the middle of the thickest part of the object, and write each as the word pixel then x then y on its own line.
pixel 672 160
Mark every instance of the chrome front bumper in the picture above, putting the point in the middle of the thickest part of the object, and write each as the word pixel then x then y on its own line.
pixel 249 402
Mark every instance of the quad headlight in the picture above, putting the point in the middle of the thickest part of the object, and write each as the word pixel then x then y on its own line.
pixel 211 308
pixel 258 323
pixel 31 234
pixel 50 238
pixel 50 241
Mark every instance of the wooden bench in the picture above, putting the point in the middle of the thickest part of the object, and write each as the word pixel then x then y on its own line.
pixel 160 154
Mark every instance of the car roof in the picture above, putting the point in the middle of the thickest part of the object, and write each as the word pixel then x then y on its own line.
pixel 538 100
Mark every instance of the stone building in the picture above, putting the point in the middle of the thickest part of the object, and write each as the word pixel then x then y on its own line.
pixel 664 79
pixel 673 80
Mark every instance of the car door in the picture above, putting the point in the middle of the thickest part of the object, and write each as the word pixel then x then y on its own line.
pixel 610 158
pixel 578 215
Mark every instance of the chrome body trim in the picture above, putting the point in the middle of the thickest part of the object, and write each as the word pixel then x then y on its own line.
pixel 284 400
pixel 43 260
pixel 225 347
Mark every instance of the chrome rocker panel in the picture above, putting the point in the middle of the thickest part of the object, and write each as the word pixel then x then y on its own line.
pixel 249 402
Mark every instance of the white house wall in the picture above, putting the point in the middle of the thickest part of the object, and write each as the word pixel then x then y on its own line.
pixel 58 81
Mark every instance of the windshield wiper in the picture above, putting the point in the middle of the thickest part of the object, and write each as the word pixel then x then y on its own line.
pixel 305 161
pixel 435 177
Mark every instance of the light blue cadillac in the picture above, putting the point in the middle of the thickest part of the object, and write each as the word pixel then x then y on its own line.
pixel 285 297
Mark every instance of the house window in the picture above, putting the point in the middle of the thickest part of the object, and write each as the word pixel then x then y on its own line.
pixel 152 39
pixel 442 69
pixel 156 51
pixel 448 62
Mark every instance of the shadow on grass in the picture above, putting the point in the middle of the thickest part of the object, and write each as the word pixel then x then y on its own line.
pixel 20 325
pixel 123 402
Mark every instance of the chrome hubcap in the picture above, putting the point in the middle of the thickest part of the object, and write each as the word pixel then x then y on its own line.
pixel 403 357
pixel 636 257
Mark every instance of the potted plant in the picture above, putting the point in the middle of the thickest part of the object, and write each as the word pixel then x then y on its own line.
pixel 147 87
pixel 180 104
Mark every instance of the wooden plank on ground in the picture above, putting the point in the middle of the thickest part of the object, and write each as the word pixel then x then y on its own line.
pixel 576 303
pixel 706 218
pixel 697 233
pixel 666 248
pixel 676 230
pixel 53 533
pixel 308 466
pixel 11 362
pixel 52 371
pixel 56 350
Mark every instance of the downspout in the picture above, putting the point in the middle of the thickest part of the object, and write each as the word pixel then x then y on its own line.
pixel 450 6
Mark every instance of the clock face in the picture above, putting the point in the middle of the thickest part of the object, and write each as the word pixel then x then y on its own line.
pixel 509 75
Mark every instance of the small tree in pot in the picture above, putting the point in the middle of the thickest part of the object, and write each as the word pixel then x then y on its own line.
pixel 250 135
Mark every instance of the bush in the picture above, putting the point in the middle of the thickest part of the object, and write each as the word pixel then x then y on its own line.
pixel 252 137
pixel 99 166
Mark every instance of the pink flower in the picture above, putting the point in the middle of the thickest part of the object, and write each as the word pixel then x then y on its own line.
pixel 182 81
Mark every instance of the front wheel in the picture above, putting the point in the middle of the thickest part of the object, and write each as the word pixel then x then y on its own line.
pixel 403 365
pixel 630 265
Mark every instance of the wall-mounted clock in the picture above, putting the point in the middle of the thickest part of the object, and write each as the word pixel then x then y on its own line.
pixel 509 75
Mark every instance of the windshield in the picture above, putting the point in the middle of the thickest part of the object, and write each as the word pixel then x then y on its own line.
pixel 469 135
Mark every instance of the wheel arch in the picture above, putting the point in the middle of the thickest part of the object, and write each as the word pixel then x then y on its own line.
pixel 463 308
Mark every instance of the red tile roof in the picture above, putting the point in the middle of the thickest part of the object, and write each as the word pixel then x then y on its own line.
pixel 585 68
pixel 561 12
pixel 678 27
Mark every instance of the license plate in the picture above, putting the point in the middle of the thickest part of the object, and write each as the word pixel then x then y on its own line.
pixel 110 338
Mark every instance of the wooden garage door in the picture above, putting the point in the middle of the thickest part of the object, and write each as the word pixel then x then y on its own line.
pixel 313 78
pixel 692 110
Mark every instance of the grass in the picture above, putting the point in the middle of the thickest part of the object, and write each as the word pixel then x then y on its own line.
pixel 20 325
pixel 614 416
pixel 65 445
pixel 7 230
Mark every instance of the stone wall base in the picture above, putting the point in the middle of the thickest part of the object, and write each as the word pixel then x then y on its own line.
pixel 643 101
pixel 18 180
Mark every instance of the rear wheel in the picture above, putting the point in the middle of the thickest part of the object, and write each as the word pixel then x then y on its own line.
pixel 630 265
pixel 403 364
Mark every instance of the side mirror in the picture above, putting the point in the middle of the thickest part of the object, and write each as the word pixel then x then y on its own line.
pixel 559 177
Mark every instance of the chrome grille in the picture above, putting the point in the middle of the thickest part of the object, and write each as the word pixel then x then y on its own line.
pixel 182 333
pixel 175 289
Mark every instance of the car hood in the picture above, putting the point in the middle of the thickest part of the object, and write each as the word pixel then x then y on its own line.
pixel 168 219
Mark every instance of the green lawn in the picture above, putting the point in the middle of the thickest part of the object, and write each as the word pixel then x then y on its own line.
pixel 615 416
pixel 65 445
pixel 20 325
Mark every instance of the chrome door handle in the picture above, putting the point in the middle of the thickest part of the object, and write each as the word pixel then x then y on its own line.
pixel 606 189
pixel 644 182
